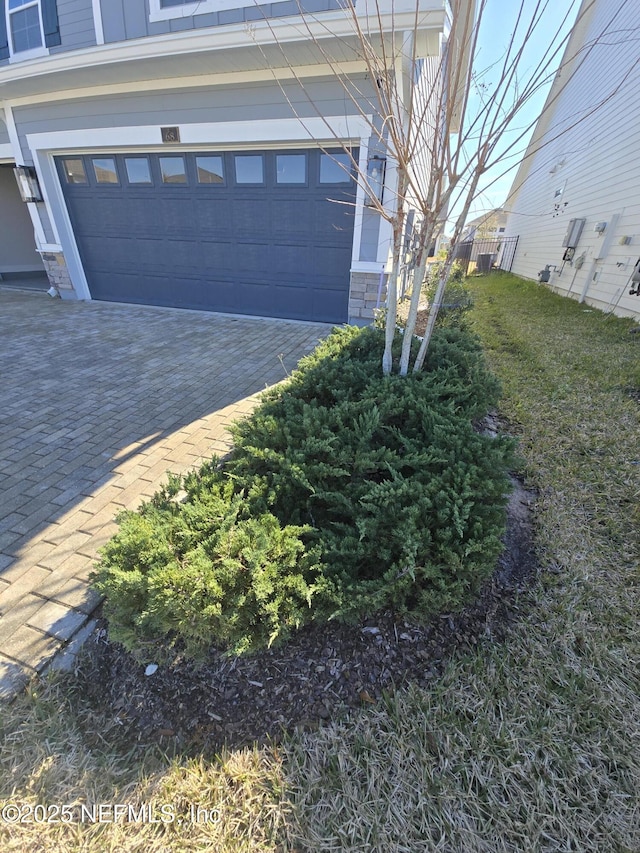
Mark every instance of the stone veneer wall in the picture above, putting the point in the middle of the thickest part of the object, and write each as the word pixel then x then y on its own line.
pixel 365 296
pixel 58 274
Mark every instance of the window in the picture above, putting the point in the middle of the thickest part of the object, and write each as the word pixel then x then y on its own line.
pixel 210 170
pixel 173 170
pixel 105 171
pixel 291 168
pixel 249 169
pixel 24 20
pixel 335 169
pixel 138 170
pixel 74 171
pixel 27 28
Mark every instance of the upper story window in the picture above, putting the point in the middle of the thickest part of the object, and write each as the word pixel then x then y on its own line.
pixel 164 10
pixel 27 28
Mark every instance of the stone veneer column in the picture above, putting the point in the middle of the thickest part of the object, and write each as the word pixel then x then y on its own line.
pixel 58 274
pixel 365 296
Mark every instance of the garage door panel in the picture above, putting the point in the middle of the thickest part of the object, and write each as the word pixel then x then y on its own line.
pixel 175 216
pixel 327 261
pixel 289 261
pixel 251 216
pixel 252 258
pixel 219 257
pixel 275 250
pixel 212 216
pixel 295 217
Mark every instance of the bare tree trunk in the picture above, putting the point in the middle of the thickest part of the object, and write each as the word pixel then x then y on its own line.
pixel 392 303
pixel 418 280
pixel 433 313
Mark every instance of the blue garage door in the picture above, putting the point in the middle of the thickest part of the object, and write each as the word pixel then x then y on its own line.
pixel 253 232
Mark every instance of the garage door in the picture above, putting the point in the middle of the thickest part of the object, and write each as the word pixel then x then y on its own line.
pixel 251 232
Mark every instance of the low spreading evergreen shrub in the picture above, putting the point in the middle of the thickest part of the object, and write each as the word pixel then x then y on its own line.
pixel 347 492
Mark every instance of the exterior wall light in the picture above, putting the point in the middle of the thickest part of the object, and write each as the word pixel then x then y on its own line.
pixel 28 183
pixel 376 166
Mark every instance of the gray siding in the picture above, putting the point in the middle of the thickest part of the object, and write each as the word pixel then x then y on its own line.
pixel 370 235
pixel 4 134
pixel 77 28
pixel 129 19
pixel 17 243
pixel 227 103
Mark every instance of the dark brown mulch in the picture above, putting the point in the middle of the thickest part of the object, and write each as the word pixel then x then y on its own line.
pixel 314 677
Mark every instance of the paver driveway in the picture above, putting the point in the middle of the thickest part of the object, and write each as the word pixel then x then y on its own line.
pixel 97 402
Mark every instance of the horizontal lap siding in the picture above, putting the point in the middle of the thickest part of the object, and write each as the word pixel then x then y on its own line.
pixel 600 174
pixel 77 27
pixel 249 103
pixel 129 19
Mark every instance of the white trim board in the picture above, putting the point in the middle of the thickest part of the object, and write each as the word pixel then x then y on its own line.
pixel 34 213
pixel 97 21
pixel 325 131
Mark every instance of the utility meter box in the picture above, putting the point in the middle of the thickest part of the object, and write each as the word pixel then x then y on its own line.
pixel 635 275
pixel 572 237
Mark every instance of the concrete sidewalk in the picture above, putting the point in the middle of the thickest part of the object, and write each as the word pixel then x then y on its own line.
pixel 97 402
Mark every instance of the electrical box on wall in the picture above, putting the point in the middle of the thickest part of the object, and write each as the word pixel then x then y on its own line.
pixel 600 227
pixel 574 231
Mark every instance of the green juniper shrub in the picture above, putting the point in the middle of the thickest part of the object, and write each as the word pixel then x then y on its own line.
pixel 346 492
pixel 206 572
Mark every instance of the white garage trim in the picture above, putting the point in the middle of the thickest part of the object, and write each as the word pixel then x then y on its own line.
pixel 347 129
pixel 276 131
pixel 34 213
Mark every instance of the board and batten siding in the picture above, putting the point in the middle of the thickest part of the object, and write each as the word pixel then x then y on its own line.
pixel 587 169
pixel 129 19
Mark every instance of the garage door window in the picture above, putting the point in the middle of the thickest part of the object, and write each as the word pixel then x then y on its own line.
pixel 210 170
pixel 74 171
pixel 249 169
pixel 335 169
pixel 105 170
pixel 138 170
pixel 173 170
pixel 291 168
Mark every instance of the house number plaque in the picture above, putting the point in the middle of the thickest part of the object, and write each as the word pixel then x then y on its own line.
pixel 170 134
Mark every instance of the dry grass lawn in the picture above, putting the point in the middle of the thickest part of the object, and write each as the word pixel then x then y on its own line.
pixel 531 745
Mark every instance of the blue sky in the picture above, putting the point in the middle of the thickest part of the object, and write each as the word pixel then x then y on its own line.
pixel 497 27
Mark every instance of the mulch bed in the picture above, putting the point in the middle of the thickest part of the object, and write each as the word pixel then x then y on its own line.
pixel 314 677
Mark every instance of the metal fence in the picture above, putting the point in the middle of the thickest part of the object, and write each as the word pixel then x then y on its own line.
pixel 484 255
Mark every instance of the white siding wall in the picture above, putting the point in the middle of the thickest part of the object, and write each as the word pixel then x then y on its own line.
pixel 595 163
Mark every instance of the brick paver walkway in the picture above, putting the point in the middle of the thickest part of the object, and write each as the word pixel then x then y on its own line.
pixel 97 403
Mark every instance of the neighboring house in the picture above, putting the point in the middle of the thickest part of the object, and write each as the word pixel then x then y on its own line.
pixel 489 226
pixel 575 202
pixel 180 161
